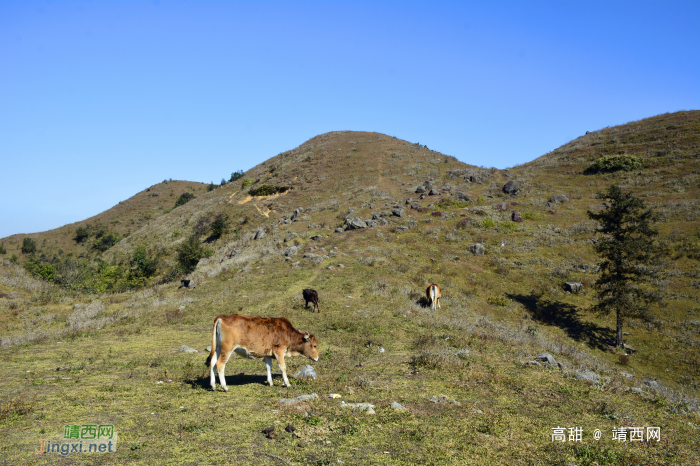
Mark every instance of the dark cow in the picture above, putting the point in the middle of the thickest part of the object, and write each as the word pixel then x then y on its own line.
pixel 310 296
pixel 257 337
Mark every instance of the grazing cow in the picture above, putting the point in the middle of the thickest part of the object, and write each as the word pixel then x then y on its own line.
pixel 434 294
pixel 257 337
pixel 310 296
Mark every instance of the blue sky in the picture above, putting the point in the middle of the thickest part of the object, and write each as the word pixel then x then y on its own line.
pixel 99 100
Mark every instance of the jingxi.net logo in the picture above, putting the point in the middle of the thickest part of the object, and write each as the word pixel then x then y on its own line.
pixel 84 438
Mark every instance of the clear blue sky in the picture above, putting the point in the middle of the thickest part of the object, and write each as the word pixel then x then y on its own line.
pixel 99 100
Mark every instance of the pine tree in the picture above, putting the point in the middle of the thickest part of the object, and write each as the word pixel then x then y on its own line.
pixel 629 254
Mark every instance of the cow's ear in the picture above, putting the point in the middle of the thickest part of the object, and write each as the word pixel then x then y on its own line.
pixel 306 337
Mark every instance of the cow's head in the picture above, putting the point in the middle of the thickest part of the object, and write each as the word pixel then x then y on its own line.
pixel 310 347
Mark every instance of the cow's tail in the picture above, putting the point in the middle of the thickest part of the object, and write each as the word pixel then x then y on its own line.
pixel 433 293
pixel 215 344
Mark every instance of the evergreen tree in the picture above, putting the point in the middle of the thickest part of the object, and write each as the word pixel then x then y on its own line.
pixel 629 255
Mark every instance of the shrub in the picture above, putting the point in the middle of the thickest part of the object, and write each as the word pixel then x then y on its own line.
pixel 82 234
pixel 14 259
pixel 211 186
pixel 105 241
pixel 488 223
pixel 184 199
pixel 247 182
pixel 28 246
pixel 444 203
pixel 613 163
pixel 201 225
pixel 267 190
pixel 143 265
pixel 39 269
pixel 235 176
pixel 219 225
pixel 464 223
pixel 2 249
pixel 189 252
pixel 437 213
pixel 530 216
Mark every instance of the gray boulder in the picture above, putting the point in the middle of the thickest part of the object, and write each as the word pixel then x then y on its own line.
pixel 420 190
pixel 260 234
pixel 290 237
pixel 355 223
pixel 187 349
pixel 339 230
pixel 511 187
pixel 398 211
pixel 516 217
pixel 460 196
pixel 316 237
pixel 291 251
pixel 397 406
pixel 372 223
pixel 409 201
pixel 433 192
pixel 428 184
pixel 546 358
pixel 477 249
pixel 587 376
pixel 350 215
pixel 573 287
pixel 651 384
pixel 559 198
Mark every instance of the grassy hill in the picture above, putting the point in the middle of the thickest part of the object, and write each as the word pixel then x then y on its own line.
pixel 463 372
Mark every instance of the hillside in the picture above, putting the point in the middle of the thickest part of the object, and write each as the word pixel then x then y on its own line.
pixel 464 372
pixel 123 219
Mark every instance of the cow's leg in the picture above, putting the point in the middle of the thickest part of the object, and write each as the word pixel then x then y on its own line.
pixel 438 302
pixel 280 361
pixel 268 364
pixel 221 366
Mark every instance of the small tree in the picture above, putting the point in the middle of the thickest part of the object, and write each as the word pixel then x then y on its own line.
pixel 628 251
pixel 82 234
pixel 211 187
pixel 219 225
pixel 28 246
pixel 236 175
pixel 184 199
pixel 189 252
pixel 2 249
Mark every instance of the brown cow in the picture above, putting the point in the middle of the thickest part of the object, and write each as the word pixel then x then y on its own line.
pixel 257 337
pixel 310 296
pixel 434 294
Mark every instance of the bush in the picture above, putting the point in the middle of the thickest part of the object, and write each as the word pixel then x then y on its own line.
pixel 189 252
pixel 82 234
pixel 613 163
pixel 105 241
pixel 235 176
pixel 219 225
pixel 267 190
pixel 14 259
pixel 184 199
pixel 223 182
pixel 39 269
pixel 28 246
pixel 488 223
pixel 2 249
pixel 247 182
pixel 211 186
pixel 143 265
